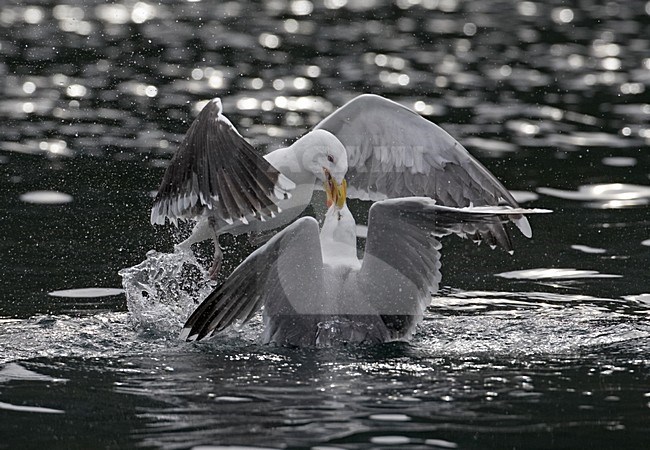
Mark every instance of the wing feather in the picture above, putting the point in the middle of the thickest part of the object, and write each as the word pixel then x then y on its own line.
pixel 215 168
pixel 402 258
pixel 394 152
pixel 282 275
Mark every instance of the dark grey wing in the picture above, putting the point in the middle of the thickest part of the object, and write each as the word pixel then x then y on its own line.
pixel 282 275
pixel 215 168
pixel 401 264
pixel 395 152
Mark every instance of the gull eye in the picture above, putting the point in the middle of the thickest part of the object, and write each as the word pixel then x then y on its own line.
pixel 330 158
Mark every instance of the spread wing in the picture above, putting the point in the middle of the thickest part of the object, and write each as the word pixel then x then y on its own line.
pixel 394 152
pixel 280 276
pixel 215 168
pixel 402 258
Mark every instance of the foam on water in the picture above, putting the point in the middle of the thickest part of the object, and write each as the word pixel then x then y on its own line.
pixel 46 336
pixel 165 288
pixel 458 323
pixel 527 323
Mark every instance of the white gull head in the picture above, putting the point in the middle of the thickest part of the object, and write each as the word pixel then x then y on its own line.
pixel 320 153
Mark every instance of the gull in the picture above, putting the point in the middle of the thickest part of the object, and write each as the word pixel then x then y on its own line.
pixel 217 178
pixel 382 148
pixel 315 291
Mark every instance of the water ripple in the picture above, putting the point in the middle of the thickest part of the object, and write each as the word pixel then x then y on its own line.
pixel 547 95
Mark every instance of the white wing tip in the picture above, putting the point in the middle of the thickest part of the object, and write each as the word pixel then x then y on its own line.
pixel 158 217
pixel 155 218
pixel 285 183
pixel 172 209
pixel 185 335
pixel 278 192
pixel 524 226
pixel 217 101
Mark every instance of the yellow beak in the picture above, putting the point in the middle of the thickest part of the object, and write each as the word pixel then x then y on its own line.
pixel 336 193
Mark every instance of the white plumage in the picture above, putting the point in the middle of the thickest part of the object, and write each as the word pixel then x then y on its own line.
pixel 314 289
pixel 385 150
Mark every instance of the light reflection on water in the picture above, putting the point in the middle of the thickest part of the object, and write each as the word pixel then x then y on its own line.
pixel 458 322
pixel 433 48
pixel 467 371
pixel 551 96
pixel 604 196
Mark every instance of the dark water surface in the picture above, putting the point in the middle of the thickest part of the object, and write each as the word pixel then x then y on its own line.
pixel 548 348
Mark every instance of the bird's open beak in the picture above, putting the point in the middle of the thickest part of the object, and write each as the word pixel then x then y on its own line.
pixel 336 193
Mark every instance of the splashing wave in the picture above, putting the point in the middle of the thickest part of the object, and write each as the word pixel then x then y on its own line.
pixel 164 289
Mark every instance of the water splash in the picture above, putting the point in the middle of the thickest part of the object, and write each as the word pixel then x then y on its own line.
pixel 164 289
pixel 531 323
